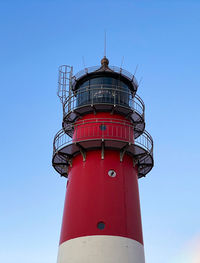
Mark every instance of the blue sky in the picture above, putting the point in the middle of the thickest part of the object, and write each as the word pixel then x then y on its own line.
pixel 38 36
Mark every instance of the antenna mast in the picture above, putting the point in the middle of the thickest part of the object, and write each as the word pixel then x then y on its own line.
pixel 104 43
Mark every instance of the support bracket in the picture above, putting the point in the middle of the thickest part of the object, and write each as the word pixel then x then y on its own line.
pixel 94 109
pixel 113 110
pixel 102 149
pixel 70 162
pixel 135 162
pixel 122 151
pixel 82 151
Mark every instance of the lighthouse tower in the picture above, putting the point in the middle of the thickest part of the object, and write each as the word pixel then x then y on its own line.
pixel 102 149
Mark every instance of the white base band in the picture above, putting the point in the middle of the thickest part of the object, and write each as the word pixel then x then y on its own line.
pixel 101 249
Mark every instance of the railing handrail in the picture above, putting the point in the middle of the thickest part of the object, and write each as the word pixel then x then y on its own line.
pixel 115 69
pixel 105 86
pixel 148 138
pixel 103 120
pixel 145 140
pixel 135 99
pixel 101 86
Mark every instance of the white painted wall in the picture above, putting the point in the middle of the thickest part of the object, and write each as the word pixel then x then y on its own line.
pixel 101 249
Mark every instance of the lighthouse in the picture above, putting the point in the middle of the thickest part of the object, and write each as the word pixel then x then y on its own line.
pixel 102 150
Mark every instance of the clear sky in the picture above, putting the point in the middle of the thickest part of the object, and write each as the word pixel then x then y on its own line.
pixel 38 36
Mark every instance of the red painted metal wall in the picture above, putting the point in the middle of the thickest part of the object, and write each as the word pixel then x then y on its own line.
pixel 103 125
pixel 93 196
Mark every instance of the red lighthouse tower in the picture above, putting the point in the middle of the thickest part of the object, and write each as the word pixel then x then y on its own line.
pixel 102 149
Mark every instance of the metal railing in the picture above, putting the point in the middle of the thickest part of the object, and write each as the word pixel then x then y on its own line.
pixel 103 130
pixel 145 141
pixel 115 69
pixel 103 94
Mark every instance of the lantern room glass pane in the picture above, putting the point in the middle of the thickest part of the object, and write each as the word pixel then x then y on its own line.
pixel 103 90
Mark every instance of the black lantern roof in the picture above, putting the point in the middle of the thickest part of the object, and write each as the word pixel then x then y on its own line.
pixel 105 71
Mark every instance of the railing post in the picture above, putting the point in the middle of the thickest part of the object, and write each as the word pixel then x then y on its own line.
pixel 75 131
pixel 103 125
pixel 92 92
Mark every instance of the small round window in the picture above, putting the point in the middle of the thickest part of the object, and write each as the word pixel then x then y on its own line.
pixel 101 225
pixel 102 127
pixel 112 173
